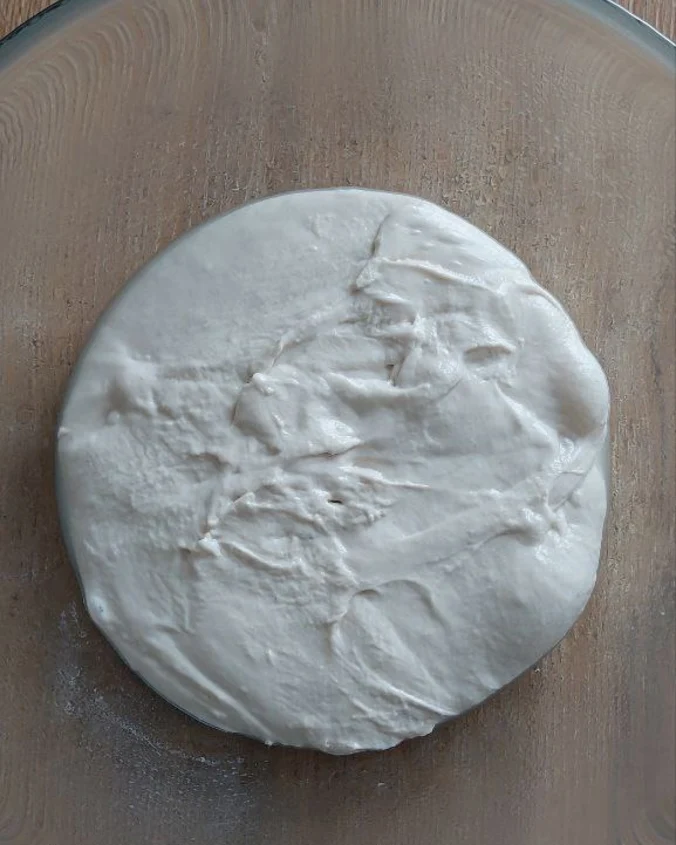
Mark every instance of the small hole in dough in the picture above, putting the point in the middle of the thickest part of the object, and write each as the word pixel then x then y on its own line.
pixel 485 354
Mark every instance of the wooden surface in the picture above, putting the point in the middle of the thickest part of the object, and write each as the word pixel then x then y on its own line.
pixel 659 13
pixel 122 127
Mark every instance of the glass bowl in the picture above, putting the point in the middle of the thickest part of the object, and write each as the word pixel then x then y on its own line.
pixel 548 123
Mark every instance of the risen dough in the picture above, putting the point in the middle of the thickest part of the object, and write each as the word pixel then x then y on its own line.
pixel 329 470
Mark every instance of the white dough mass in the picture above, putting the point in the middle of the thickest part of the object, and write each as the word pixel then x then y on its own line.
pixel 330 470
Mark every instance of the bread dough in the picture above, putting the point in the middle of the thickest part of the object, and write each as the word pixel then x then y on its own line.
pixel 330 470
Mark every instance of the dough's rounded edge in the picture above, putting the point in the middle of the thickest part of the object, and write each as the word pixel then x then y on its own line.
pixel 63 517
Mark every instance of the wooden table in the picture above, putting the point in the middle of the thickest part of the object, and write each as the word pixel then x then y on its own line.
pixel 579 751
pixel 660 13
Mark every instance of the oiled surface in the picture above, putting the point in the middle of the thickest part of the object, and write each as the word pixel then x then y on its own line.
pixel 124 122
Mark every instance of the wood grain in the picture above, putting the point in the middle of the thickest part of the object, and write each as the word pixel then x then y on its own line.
pixel 122 127
pixel 658 13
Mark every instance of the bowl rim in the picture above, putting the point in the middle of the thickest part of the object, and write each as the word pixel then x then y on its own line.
pixel 638 30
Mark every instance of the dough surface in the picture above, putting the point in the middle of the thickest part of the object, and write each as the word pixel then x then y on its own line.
pixel 330 470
